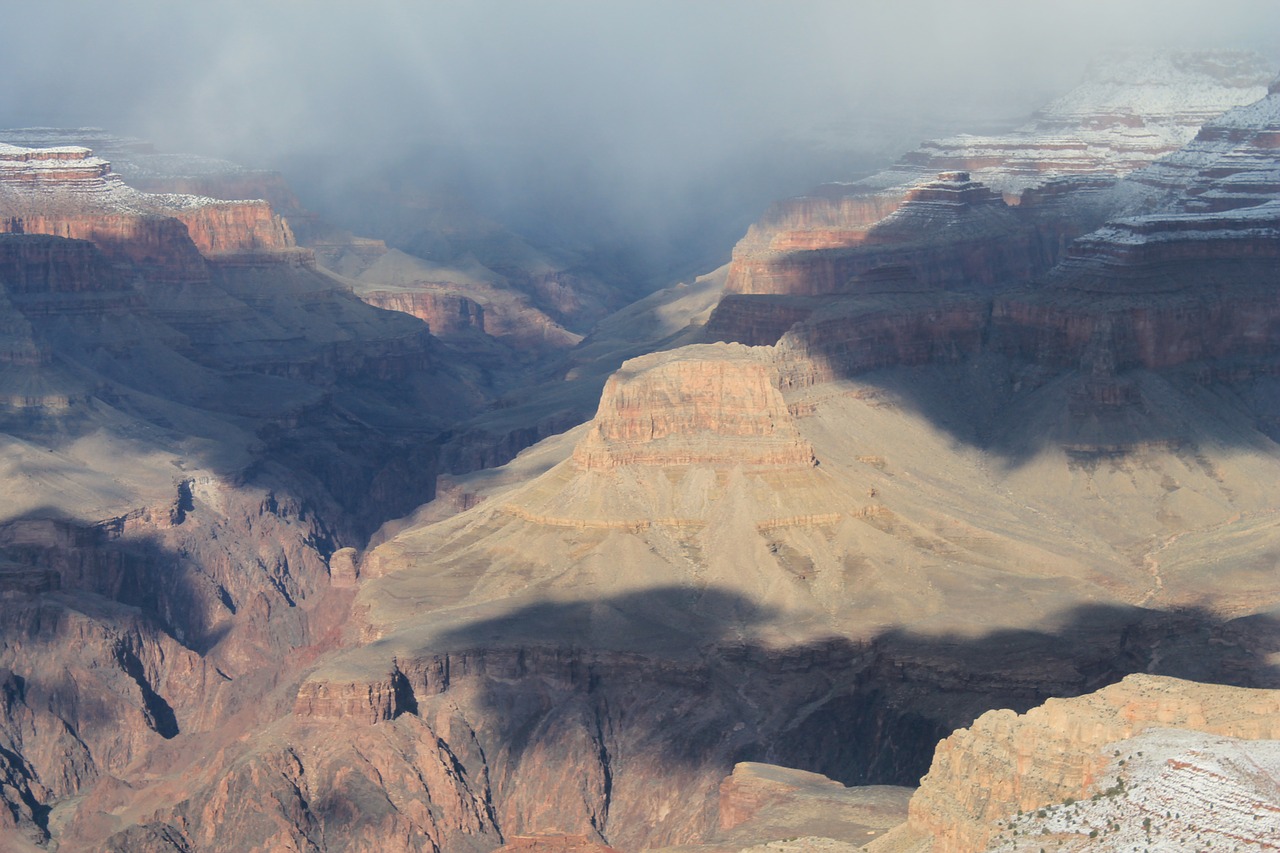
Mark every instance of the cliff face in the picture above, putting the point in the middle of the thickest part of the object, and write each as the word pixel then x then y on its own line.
pixel 70 193
pixel 1229 165
pixel 949 233
pixel 177 393
pixel 1127 113
pixel 939 493
pixel 687 408
pixel 1154 291
pixel 447 316
pixel 1068 750
pixel 35 264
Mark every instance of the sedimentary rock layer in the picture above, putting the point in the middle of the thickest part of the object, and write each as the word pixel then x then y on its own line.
pixel 70 193
pixel 1128 112
pixel 1067 750
pixel 698 406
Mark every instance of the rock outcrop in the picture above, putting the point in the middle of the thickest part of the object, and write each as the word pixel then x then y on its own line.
pixel 448 316
pixel 70 193
pixel 696 406
pixel 948 233
pixel 760 803
pixel 1044 774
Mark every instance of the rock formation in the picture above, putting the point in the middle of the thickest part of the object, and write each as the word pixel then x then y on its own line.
pixel 686 409
pixel 948 233
pixel 460 304
pixel 970 462
pixel 195 419
pixel 70 193
pixel 1128 112
pixel 1108 769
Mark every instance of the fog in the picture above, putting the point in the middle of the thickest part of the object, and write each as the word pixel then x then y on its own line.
pixel 576 122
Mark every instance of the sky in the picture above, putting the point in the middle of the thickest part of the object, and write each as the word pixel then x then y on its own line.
pixel 617 113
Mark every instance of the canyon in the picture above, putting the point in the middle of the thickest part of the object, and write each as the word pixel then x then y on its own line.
pixel 965 471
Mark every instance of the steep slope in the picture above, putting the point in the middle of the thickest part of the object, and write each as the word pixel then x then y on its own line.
pixel 941 492
pixel 1006 482
pixel 191 422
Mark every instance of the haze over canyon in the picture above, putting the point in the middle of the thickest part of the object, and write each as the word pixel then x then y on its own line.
pixel 571 427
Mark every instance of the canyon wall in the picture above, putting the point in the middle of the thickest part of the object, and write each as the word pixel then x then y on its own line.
pixel 1066 751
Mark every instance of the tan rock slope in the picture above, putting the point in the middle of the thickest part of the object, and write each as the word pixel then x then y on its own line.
pixel 1149 761
pixel 957 482
pixel 1000 495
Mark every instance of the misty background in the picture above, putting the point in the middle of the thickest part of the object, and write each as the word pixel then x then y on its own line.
pixel 644 134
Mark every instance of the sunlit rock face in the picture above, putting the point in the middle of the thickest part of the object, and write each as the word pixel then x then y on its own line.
pixel 1082 774
pixel 448 316
pixel 949 232
pixel 762 804
pixel 180 474
pixel 693 407
pixel 68 192
pixel 936 495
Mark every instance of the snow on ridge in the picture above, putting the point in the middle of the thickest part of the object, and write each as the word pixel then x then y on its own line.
pixel 1129 111
pixel 1261 221
pixel 1264 112
pixel 130 156
pixel 71 179
pixel 1165 790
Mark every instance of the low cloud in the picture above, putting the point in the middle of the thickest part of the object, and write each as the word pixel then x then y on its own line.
pixel 614 113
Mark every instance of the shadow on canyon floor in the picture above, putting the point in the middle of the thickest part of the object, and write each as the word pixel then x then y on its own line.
pixel 862 712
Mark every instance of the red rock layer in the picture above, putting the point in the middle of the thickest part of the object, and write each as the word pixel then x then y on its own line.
pixel 159 246
pixel 821 221
pixel 553 844
pixel 846 343
pixel 69 193
pixel 365 701
pixel 239 226
pixel 447 315
pixel 700 405
pixel 947 233
pixel 755 320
